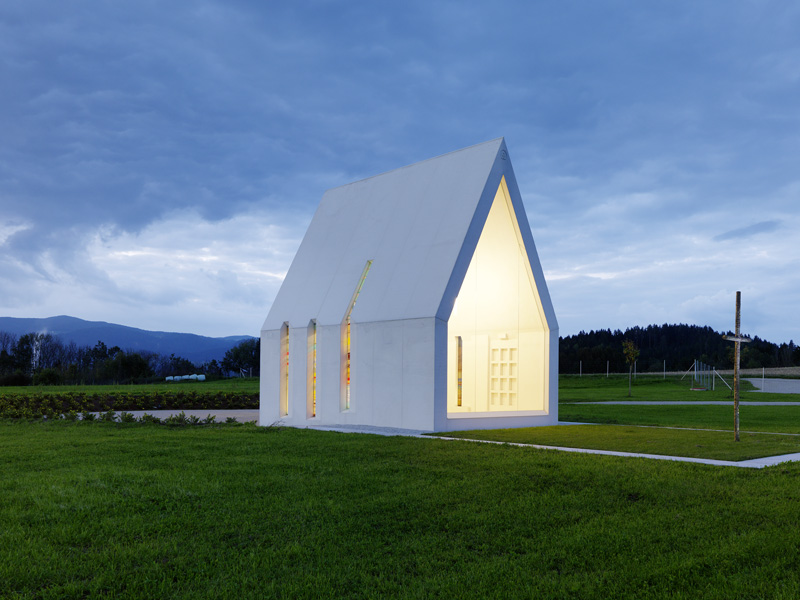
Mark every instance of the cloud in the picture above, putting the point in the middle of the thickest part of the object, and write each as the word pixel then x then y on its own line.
pixel 159 163
pixel 750 230
pixel 183 273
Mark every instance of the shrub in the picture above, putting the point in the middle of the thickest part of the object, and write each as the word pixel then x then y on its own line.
pixel 16 378
pixel 176 419
pixel 109 415
pixel 47 377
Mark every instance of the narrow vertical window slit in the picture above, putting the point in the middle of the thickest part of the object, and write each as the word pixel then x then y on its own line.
pixel 346 342
pixel 284 370
pixel 459 365
pixel 311 370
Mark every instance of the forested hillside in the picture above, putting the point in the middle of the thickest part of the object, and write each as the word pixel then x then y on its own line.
pixel 678 345
pixel 44 359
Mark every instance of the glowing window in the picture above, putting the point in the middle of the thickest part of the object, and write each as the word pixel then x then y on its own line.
pixel 459 367
pixel 311 370
pixel 344 402
pixel 284 370
pixel 498 349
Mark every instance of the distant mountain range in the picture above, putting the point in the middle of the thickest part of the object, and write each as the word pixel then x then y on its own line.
pixel 196 348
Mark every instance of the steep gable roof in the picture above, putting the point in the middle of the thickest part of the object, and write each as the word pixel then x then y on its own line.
pixel 418 224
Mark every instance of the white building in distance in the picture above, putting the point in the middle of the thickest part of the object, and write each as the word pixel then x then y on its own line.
pixel 416 300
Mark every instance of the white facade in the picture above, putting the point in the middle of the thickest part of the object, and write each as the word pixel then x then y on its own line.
pixel 416 300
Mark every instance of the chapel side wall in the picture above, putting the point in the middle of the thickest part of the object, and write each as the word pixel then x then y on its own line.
pixel 419 374
pixel 393 374
pixel 269 387
pixel 377 351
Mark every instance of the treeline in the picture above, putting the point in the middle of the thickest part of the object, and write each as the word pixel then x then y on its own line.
pixel 44 359
pixel 678 345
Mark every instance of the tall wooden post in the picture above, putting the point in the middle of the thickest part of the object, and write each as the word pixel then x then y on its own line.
pixel 737 340
pixel 737 354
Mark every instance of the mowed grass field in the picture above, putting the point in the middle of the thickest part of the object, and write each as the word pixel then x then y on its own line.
pixel 141 511
pixel 599 388
pixel 91 510
pixel 754 421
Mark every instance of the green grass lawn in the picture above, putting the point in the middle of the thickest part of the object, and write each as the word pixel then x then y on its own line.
pixel 597 388
pixel 103 510
pixel 247 385
pixel 784 419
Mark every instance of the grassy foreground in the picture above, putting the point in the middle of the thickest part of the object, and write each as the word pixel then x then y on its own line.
pixel 91 510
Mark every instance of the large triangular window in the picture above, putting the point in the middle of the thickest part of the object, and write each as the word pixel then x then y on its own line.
pixel 497 332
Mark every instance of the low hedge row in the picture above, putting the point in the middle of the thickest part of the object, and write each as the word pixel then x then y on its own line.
pixel 26 406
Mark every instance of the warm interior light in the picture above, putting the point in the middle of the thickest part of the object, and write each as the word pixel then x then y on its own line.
pixel 497 350
pixel 311 370
pixel 344 403
pixel 284 366
pixel 459 366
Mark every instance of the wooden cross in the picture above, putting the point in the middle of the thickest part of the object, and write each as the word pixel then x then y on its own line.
pixel 738 340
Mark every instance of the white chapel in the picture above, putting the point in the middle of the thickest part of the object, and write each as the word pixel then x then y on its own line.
pixel 417 301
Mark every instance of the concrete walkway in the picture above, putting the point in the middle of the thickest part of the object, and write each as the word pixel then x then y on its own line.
pixel 756 463
pixel 776 386
pixel 244 416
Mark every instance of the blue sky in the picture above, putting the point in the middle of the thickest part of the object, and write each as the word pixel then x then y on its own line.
pixel 159 162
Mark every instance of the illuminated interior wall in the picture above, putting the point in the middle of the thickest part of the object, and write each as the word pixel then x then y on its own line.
pixel 497 332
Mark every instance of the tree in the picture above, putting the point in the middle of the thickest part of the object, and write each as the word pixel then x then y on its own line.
pixel 7 341
pixel 244 356
pixel 25 353
pixel 181 366
pixel 126 367
pixel 631 353
pixel 212 368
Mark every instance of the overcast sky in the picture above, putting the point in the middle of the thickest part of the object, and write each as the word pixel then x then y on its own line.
pixel 160 161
